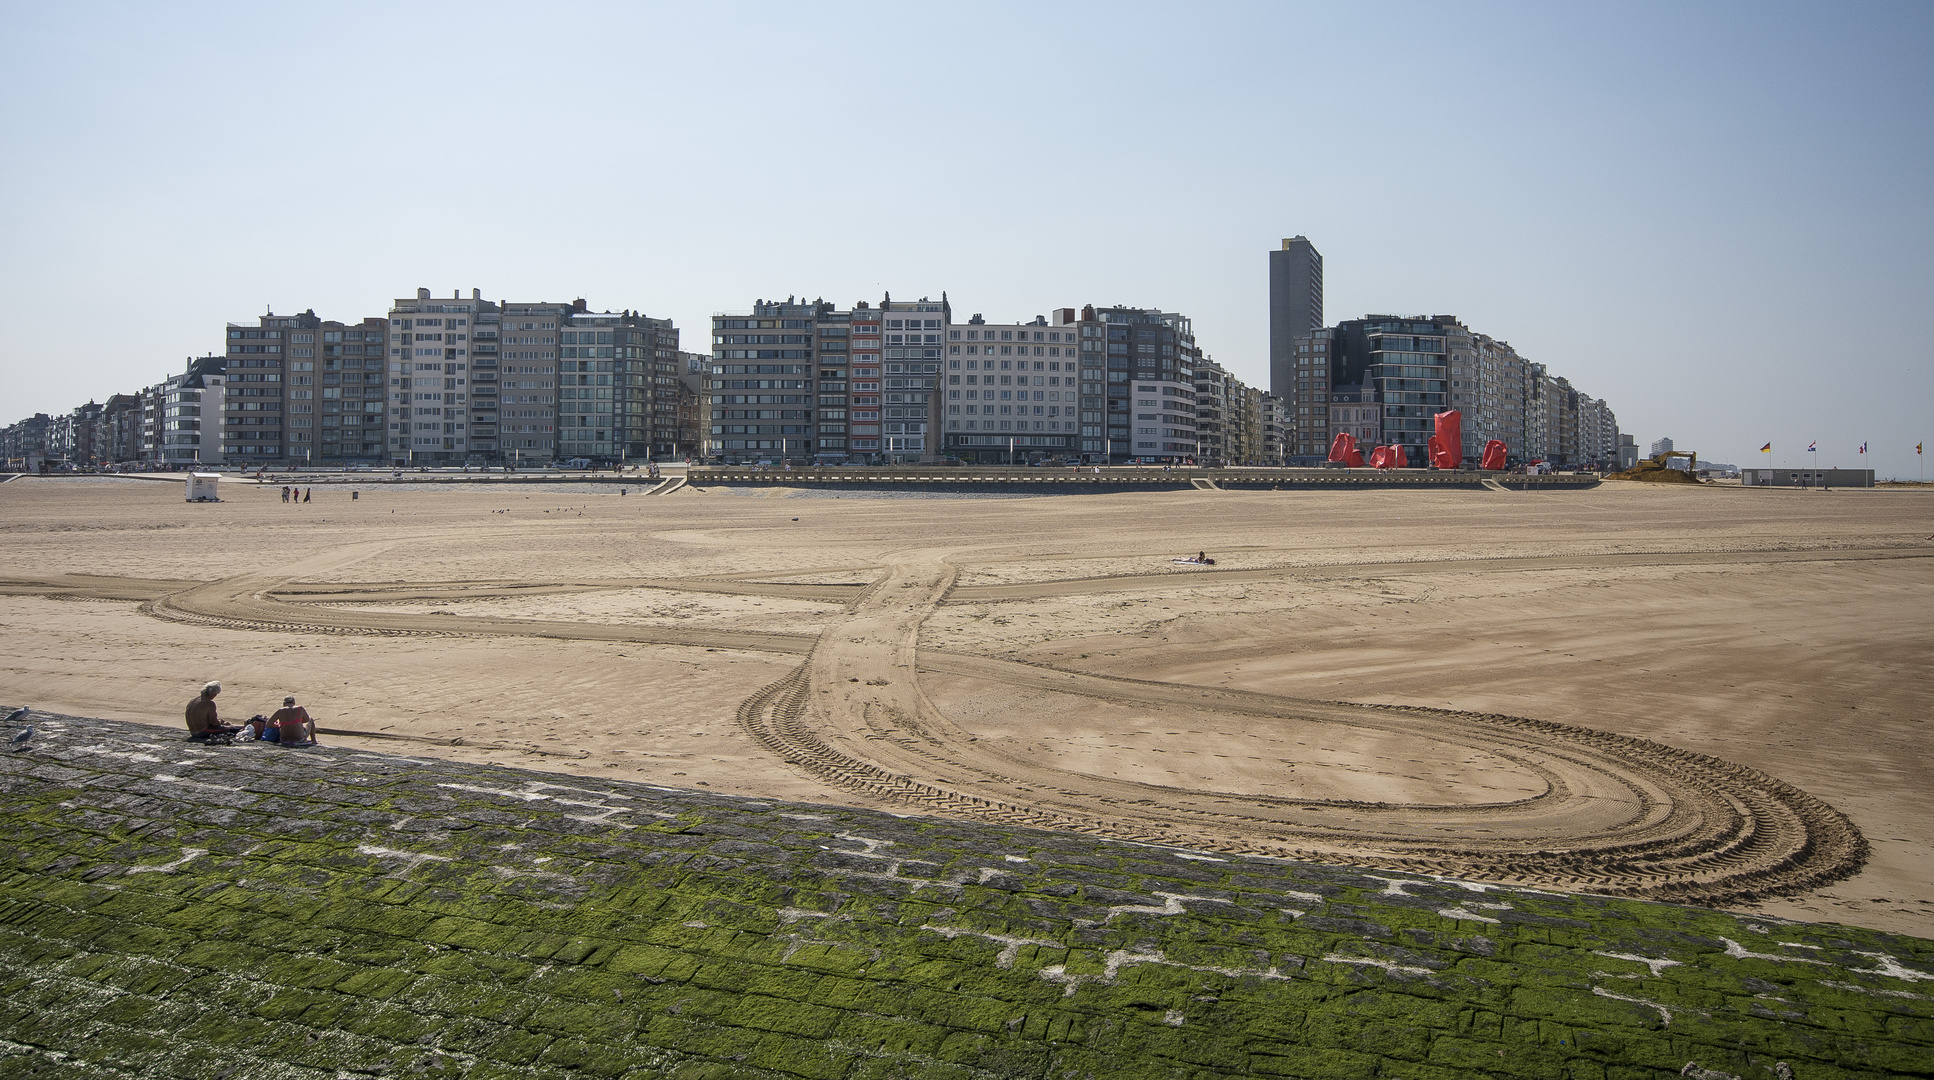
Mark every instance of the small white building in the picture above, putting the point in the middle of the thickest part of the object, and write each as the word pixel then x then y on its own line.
pixel 204 487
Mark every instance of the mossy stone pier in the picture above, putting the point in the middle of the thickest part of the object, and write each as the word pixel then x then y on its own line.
pixel 242 912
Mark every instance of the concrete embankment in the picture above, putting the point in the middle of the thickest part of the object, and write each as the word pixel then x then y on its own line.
pixel 172 910
pixel 1069 481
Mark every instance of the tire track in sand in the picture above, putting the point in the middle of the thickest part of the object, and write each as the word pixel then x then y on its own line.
pixel 1614 814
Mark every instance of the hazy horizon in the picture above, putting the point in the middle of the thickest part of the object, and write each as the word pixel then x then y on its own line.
pixel 1706 215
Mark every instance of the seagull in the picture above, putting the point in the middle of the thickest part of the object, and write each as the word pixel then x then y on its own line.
pixel 20 738
pixel 18 715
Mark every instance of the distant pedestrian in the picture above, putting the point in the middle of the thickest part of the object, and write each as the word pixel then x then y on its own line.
pixel 285 493
pixel 306 492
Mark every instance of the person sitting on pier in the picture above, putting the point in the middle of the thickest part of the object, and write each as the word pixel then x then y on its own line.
pixel 292 724
pixel 204 722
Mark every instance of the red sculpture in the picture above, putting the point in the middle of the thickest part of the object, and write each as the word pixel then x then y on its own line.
pixel 1400 459
pixel 1344 449
pixel 1385 457
pixel 1494 456
pixel 1446 448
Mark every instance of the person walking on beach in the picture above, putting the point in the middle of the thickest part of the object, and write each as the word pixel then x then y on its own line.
pixel 285 493
pixel 292 724
pixel 203 718
pixel 306 493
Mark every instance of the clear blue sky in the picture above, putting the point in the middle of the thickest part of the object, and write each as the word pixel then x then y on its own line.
pixel 1716 216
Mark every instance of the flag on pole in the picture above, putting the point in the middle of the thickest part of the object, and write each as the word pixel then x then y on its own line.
pixel 1813 447
pixel 1917 448
pixel 1863 448
pixel 1767 449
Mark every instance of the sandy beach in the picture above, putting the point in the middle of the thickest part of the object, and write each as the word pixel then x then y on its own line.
pixel 1395 676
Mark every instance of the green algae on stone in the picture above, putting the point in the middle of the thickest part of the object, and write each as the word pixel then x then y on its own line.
pixel 428 919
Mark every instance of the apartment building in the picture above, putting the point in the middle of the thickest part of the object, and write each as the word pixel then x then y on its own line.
pixel 194 414
pixel 1229 419
pixel 253 414
pixel 694 403
pixel 1598 438
pixel 912 333
pixel 1213 438
pixel 527 380
pixel 303 390
pixel 428 419
pixel 1488 380
pixel 1305 388
pixel 617 392
pixel 1150 387
pixel 763 403
pixel 1276 440
pixel 1538 425
pixel 476 381
pixel 121 427
pixel 805 379
pixel 1248 446
pixel 1295 308
pixel 350 412
pixel 1012 391
pixel 1551 420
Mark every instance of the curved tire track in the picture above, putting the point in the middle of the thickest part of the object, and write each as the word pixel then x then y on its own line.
pixel 1618 814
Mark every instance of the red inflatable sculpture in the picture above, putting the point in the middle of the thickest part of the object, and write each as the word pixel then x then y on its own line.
pixel 1344 449
pixel 1494 456
pixel 1446 448
pixel 1389 457
pixel 1398 458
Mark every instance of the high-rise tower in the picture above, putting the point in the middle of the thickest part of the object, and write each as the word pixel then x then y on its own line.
pixel 1295 308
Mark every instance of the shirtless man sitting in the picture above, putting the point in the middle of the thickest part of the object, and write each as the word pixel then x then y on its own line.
pixel 203 721
pixel 292 724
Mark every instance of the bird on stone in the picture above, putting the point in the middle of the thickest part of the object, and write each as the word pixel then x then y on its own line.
pixel 18 715
pixel 19 741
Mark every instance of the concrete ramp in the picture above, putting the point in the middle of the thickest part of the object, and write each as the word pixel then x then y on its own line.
pixel 1202 484
pixel 1494 485
pixel 671 484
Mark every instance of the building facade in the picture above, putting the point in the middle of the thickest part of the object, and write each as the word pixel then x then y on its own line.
pixel 766 402
pixel 807 380
pixel 1396 367
pixel 1488 389
pixel 1295 307
pixel 1306 391
pixel 1150 386
pixel 429 420
pixel 1012 391
pixel 618 386
pixel 193 414
pixel 302 390
pixel 1276 438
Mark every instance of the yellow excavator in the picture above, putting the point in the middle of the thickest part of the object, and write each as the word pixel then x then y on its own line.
pixel 1658 469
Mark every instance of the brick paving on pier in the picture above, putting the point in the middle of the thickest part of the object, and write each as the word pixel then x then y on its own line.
pixel 243 912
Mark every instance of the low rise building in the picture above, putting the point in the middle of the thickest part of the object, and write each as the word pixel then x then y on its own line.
pixel 1808 477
